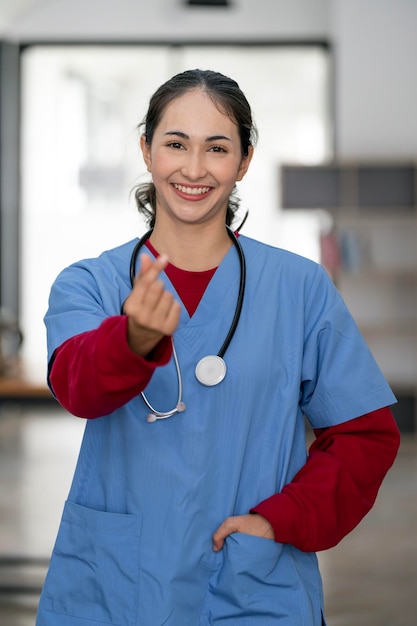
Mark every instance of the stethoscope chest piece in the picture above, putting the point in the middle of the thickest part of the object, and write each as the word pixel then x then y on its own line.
pixel 210 370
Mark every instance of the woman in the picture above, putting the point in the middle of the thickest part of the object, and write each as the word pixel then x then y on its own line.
pixel 195 503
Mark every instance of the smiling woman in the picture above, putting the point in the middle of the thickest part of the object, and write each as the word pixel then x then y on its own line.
pixel 185 515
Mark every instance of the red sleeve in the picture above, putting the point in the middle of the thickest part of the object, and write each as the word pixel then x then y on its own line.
pixel 94 373
pixel 338 484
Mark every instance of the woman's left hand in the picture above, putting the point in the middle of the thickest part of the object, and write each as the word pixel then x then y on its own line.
pixel 251 524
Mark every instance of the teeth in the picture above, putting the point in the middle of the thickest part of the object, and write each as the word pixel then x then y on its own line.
pixel 192 191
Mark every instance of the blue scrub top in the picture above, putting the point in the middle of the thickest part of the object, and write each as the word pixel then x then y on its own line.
pixel 134 545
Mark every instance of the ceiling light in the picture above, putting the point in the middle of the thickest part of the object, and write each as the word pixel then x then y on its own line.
pixel 208 3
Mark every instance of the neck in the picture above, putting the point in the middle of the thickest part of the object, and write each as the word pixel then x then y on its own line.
pixel 192 247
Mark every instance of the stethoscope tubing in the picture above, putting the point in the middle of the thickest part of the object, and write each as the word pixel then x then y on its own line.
pixel 240 296
pixel 242 283
pixel 180 406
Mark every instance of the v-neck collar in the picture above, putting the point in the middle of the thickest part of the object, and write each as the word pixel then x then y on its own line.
pixel 189 285
pixel 222 288
pixel 205 332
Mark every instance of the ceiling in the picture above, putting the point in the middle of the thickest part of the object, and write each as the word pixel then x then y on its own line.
pixel 12 9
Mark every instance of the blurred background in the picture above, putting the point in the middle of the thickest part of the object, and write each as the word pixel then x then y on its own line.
pixel 333 88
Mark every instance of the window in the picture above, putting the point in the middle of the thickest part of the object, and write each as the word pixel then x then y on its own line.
pixel 80 157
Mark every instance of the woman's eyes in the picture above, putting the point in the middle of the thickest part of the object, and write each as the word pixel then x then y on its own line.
pixel 176 145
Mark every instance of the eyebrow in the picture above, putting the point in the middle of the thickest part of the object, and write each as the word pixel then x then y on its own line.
pixel 179 133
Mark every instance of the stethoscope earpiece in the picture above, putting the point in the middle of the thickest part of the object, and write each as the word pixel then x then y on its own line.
pixel 211 369
pixel 158 415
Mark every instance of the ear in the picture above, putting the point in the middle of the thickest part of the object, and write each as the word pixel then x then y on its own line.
pixel 244 164
pixel 146 152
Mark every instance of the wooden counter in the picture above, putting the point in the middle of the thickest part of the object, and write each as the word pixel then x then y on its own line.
pixel 21 388
pixel 21 385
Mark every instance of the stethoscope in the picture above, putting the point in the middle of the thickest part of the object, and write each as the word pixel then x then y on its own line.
pixel 211 369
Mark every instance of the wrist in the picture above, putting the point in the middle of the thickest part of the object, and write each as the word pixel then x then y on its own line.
pixel 140 340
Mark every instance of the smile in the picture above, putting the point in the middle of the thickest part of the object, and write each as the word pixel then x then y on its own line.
pixel 192 191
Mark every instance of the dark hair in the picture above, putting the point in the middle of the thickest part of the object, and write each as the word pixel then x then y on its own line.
pixel 226 95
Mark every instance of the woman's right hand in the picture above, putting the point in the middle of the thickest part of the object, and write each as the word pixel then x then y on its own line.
pixel 153 311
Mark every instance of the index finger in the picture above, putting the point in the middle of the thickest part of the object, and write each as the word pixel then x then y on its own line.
pixel 150 268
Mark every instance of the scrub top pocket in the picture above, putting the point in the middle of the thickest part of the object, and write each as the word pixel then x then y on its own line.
pixel 94 570
pixel 259 584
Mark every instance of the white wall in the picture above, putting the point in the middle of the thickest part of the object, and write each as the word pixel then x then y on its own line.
pixel 376 77
pixel 166 19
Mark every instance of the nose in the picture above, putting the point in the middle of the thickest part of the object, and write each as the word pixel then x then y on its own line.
pixel 194 165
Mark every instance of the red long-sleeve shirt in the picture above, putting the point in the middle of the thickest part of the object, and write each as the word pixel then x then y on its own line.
pixel 94 373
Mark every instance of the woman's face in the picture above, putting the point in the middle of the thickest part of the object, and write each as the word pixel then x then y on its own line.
pixel 195 158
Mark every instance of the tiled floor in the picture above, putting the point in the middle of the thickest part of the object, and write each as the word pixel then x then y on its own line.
pixel 370 579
